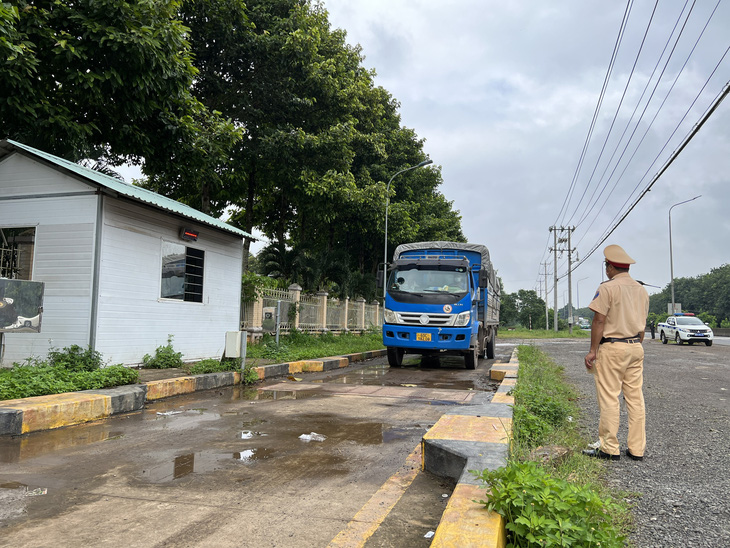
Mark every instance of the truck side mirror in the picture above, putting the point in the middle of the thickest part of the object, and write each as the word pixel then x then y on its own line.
pixel 483 278
pixel 380 279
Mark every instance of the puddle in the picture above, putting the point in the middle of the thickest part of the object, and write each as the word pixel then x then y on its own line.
pixel 264 394
pixel 202 462
pixel 17 448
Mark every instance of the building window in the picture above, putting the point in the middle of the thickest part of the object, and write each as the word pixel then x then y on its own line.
pixel 182 272
pixel 16 253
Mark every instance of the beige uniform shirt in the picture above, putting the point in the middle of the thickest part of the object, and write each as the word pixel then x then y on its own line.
pixel 625 303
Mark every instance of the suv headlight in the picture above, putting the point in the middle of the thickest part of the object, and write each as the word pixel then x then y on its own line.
pixel 462 319
pixel 389 316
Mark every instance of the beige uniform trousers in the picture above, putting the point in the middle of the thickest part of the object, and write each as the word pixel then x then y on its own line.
pixel 620 367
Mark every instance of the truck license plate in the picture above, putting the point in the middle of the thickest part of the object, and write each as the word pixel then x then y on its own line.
pixel 423 337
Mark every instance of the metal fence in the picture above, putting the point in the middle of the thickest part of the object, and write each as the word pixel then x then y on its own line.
pixel 313 313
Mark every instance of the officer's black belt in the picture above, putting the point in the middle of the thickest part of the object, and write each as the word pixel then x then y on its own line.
pixel 630 340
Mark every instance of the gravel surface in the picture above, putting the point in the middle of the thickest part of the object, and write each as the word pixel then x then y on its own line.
pixel 682 486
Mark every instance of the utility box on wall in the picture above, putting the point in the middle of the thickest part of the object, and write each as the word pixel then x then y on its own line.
pixel 236 344
pixel 21 306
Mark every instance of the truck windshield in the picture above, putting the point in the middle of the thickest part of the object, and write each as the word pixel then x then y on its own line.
pixel 455 282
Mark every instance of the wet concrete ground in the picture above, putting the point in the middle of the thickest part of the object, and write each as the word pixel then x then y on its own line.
pixel 228 468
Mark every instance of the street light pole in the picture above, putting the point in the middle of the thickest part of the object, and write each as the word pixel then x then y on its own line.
pixel 577 286
pixel 387 203
pixel 671 259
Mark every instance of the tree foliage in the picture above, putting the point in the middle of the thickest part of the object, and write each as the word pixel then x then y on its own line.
pixel 84 78
pixel 256 109
pixel 707 294
pixel 525 308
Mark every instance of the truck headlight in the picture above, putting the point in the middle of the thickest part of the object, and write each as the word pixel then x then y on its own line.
pixel 462 319
pixel 389 316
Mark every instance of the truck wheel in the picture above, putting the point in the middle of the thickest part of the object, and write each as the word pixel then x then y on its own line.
pixel 677 339
pixel 490 344
pixel 471 358
pixel 708 343
pixel 663 337
pixel 395 356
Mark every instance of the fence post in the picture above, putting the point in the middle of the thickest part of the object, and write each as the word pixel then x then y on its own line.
pixel 296 292
pixel 258 313
pixel 376 321
pixel 361 314
pixel 344 315
pixel 322 310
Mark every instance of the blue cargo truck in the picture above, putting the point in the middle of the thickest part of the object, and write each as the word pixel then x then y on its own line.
pixel 441 298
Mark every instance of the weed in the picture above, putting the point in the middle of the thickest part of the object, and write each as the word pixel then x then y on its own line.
pixel 543 511
pixel 165 357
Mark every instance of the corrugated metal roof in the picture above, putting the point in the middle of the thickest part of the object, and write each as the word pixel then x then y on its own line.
pixel 130 191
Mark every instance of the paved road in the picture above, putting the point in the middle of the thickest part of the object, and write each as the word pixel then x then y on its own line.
pixel 227 467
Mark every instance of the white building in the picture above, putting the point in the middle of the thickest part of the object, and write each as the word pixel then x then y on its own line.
pixel 121 265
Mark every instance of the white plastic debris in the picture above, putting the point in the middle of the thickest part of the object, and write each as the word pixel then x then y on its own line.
pixel 246 435
pixel 430 534
pixel 595 445
pixel 312 436
pixel 167 413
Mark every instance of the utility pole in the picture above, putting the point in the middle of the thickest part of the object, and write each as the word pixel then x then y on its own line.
pixel 570 284
pixel 547 310
pixel 555 249
pixel 554 230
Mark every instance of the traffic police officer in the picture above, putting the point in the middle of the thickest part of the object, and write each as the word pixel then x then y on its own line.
pixel 616 357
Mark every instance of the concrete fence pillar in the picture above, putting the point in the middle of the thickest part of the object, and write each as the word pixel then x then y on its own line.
pixel 376 304
pixel 296 293
pixel 322 310
pixel 361 313
pixel 345 311
pixel 258 313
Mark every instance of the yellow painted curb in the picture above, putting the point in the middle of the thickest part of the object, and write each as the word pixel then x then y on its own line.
pixel 471 428
pixel 305 366
pixel 165 388
pixel 501 397
pixel 57 410
pixel 467 524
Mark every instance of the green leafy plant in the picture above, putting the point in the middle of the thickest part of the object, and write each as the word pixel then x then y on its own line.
pixel 165 357
pixel 76 358
pixel 543 511
pixel 67 370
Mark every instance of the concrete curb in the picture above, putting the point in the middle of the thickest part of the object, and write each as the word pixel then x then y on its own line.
pixel 472 437
pixel 26 415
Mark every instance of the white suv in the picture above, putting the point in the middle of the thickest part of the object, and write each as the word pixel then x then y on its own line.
pixel 685 328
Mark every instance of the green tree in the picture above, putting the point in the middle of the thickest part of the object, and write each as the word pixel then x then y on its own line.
pixel 531 308
pixel 86 78
pixel 508 312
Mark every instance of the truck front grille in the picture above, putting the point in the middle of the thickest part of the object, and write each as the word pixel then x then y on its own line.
pixel 434 320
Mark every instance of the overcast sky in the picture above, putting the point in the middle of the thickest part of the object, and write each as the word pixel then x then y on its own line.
pixel 504 94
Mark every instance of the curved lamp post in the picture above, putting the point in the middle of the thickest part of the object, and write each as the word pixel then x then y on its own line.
pixel 387 203
pixel 577 285
pixel 671 260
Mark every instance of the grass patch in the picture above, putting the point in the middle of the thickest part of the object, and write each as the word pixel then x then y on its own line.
pixel 556 502
pixel 305 346
pixel 68 370
pixel 523 333
pixel 212 365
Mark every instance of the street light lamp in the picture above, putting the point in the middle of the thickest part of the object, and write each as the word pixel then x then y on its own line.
pixel 387 203
pixel 671 259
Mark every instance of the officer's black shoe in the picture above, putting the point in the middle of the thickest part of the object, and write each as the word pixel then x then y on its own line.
pixel 633 457
pixel 598 454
